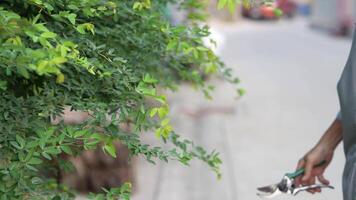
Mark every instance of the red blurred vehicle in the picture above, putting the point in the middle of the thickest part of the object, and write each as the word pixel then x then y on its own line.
pixel 271 11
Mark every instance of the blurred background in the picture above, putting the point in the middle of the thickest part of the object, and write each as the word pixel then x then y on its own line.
pixel 289 65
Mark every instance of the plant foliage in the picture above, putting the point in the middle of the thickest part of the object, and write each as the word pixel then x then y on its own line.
pixel 104 57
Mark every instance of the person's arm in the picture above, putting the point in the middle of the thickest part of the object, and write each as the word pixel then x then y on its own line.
pixel 323 150
pixel 332 136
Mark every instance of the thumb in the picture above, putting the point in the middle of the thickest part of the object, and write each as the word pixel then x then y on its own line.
pixel 308 171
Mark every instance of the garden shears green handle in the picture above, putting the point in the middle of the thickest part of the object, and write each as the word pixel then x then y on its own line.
pixel 301 171
pixel 287 185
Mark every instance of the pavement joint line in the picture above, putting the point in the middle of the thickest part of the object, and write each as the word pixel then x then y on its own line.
pixel 230 165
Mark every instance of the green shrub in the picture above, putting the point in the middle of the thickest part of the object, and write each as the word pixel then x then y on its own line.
pixel 104 57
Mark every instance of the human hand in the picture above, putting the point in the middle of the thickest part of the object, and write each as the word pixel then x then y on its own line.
pixel 312 158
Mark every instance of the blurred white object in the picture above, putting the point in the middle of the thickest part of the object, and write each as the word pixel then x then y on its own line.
pixel 219 39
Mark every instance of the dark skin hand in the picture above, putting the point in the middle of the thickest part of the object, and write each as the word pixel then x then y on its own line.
pixel 323 150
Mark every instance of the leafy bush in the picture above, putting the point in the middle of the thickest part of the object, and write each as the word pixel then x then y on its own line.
pixel 104 57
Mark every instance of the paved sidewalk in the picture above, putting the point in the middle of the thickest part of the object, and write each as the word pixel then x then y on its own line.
pixel 290 73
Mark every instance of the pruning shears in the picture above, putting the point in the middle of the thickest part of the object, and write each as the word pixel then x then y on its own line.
pixel 287 185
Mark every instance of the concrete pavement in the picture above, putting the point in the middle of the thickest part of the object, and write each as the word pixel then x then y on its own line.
pixel 290 74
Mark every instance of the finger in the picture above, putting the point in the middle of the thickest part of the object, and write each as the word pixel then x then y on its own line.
pixel 318 171
pixel 323 180
pixel 308 171
pixel 311 181
pixel 315 190
pixel 300 164
pixel 311 191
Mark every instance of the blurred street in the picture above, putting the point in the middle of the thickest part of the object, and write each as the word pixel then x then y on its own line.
pixel 290 73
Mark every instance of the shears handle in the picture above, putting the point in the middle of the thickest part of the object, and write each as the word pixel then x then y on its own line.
pixel 308 187
pixel 301 171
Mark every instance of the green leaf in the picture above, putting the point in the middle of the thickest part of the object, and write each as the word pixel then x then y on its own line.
pixel 172 45
pixel 241 91
pixel 31 168
pixel 146 89
pixel 166 131
pixel 3 85
pixel 113 129
pixel 46 155
pixel 23 72
pixel 32 144
pixel 41 27
pixel 73 7
pixel 96 136
pixel 59 60
pixel 222 3
pixel 80 133
pixel 158 132
pixel 161 98
pixel 48 35
pixel 34 161
pixel 110 149
pixel 71 17
pixel 67 150
pixel 231 5
pixel 153 112
pixel 21 141
pixel 11 15
pixel 57 197
pixel 162 111
pixel 149 79
pixel 53 150
pixel 48 6
pixel 36 181
pixel 137 6
pixel 60 78
pixel 82 28
pixel 165 122
pixel 42 142
pixel 15 144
